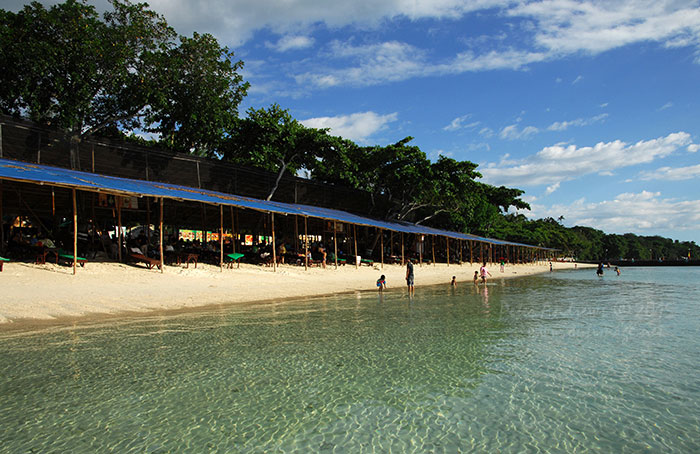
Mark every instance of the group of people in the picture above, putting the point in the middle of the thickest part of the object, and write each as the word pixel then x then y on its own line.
pixel 481 274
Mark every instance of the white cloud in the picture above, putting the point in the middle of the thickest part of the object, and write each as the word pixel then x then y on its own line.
pixel 577 80
pixel 693 147
pixel 291 42
pixel 564 125
pixel 668 105
pixel 672 174
pixel 486 132
pixel 644 212
pixel 358 127
pixel 552 188
pixel 561 162
pixel 512 132
pixel 460 123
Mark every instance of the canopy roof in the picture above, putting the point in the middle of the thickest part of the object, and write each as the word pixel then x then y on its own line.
pixel 74 179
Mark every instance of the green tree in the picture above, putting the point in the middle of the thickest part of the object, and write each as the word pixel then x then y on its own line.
pixel 272 140
pixel 67 68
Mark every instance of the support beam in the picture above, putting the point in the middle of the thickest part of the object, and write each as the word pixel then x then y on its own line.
pixel 274 247
pixel 432 243
pixel 306 244
pixel 447 240
pixel 221 238
pixel 233 232
pixel 119 226
pixel 160 230
pixel 335 243
pixel 354 234
pixel 75 233
pixel 381 253
pixel 403 260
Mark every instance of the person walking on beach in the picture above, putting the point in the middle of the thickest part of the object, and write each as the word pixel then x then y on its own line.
pixel 503 266
pixel 409 276
pixel 483 272
pixel 381 283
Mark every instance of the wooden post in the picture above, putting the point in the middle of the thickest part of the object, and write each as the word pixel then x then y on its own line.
pixel 335 243
pixel 306 243
pixel 447 240
pixel 2 224
pixel 481 252
pixel 148 225
pixel 381 254
pixel 391 243
pixel 221 238
pixel 403 261
pixel 75 233
pixel 274 248
pixel 432 244
pixel 53 202
pixel 354 234
pixel 420 252
pixel 233 232
pixel 296 232
pixel 160 231
pixel 119 226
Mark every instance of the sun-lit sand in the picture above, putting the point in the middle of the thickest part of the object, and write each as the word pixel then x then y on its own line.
pixel 44 292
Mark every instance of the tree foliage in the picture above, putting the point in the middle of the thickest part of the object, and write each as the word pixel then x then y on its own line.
pixel 67 68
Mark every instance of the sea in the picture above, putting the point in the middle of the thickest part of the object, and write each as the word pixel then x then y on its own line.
pixel 564 362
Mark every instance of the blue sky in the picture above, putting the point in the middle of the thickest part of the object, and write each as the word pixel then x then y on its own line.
pixel 591 107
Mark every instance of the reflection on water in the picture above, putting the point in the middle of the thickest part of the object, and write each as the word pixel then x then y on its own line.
pixel 557 363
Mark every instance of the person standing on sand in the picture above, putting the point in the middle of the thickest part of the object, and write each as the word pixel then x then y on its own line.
pixel 483 272
pixel 503 266
pixel 409 276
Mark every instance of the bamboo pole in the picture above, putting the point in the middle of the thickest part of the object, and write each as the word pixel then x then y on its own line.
pixel 381 254
pixel 221 238
pixel 471 252
pixel 432 244
pixel 233 232
pixel 391 243
pixel 481 252
pixel 274 248
pixel 354 234
pixel 148 225
pixel 160 240
pixel 335 242
pixel 448 250
pixel 119 226
pixel 2 224
pixel 403 261
pixel 306 244
pixel 420 251
pixel 75 233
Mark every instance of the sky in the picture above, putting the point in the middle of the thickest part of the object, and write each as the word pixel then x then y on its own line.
pixel 591 107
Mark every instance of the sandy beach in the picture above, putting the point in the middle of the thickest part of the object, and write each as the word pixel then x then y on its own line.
pixel 49 292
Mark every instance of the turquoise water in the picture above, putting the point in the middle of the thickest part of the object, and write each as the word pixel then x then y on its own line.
pixel 564 362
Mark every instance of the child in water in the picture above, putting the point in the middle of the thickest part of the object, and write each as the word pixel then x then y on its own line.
pixel 476 277
pixel 454 281
pixel 381 283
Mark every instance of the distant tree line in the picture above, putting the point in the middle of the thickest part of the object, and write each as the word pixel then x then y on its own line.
pixel 588 244
pixel 129 75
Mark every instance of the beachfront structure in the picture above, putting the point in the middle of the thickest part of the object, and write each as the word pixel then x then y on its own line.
pixel 118 196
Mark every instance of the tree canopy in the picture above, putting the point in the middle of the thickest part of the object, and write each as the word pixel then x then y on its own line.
pixel 67 68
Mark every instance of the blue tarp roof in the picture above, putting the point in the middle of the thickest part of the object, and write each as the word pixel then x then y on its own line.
pixel 73 179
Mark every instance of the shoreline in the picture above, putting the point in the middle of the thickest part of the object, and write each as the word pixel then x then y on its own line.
pixel 50 295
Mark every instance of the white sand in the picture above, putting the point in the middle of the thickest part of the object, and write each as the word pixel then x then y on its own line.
pixel 44 292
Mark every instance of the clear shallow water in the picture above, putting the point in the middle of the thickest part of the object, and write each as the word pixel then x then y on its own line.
pixel 564 362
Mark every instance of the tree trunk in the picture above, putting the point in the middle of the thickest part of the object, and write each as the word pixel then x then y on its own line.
pixel 75 139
